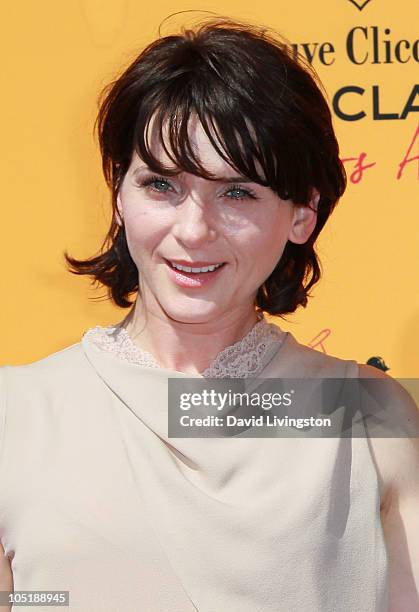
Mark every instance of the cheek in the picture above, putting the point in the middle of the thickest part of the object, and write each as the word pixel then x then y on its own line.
pixel 261 246
pixel 144 231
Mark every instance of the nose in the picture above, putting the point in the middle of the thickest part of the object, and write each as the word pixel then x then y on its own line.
pixel 194 225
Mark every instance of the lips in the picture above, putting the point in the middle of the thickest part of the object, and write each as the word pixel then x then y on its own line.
pixel 193 279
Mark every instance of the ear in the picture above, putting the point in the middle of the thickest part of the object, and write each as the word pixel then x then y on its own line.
pixel 304 219
pixel 118 213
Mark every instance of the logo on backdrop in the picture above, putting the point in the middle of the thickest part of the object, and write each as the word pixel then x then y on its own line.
pixel 366 46
pixel 360 5
pixel 370 94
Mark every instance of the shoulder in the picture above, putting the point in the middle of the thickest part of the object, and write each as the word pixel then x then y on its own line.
pixel 396 458
pixel 401 408
pixel 28 391
pixel 55 368
pixel 299 360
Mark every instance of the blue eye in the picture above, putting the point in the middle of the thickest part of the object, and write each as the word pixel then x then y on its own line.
pixel 158 183
pixel 241 193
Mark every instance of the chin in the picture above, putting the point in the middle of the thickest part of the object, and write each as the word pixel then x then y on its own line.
pixel 192 315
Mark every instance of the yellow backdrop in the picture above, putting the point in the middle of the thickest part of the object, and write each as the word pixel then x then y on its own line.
pixel 57 56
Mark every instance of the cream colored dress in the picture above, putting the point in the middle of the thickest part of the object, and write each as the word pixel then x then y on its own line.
pixel 97 500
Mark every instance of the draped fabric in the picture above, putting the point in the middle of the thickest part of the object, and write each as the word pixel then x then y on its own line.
pixel 98 500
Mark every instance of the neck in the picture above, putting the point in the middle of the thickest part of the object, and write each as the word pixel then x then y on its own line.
pixel 186 347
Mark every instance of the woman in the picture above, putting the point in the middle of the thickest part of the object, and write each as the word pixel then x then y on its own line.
pixel 220 154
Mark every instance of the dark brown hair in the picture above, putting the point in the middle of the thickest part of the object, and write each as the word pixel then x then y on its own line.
pixel 261 103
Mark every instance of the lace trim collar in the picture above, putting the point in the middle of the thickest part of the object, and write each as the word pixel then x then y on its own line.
pixel 242 359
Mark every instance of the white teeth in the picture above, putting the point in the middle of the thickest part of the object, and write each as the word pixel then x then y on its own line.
pixel 195 270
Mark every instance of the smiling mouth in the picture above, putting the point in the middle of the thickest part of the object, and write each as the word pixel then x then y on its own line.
pixel 193 269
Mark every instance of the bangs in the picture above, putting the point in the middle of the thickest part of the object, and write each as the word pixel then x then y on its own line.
pixel 240 140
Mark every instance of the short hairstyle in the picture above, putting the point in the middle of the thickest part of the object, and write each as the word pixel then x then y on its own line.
pixel 256 100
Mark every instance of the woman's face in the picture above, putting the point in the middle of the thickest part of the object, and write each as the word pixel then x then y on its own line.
pixel 194 222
